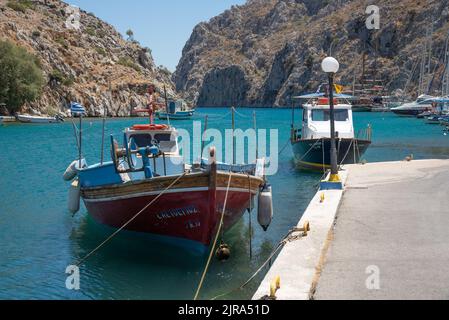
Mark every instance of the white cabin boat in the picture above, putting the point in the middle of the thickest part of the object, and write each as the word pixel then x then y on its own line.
pixel 38 119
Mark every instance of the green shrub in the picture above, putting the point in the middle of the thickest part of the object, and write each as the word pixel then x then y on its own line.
pixel 91 31
pixel 61 41
pixel 20 5
pixel 36 34
pixel 59 77
pixel 100 51
pixel 127 62
pixel 68 81
pixel 21 76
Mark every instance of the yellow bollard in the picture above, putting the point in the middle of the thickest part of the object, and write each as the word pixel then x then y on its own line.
pixel 322 198
pixel 306 228
pixel 274 287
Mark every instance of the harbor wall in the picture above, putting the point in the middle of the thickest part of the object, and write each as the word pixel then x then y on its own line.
pixel 299 262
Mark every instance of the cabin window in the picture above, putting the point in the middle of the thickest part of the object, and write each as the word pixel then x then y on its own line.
pixel 141 140
pixel 167 142
pixel 162 137
pixel 324 115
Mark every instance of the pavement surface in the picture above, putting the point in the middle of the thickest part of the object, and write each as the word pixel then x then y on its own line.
pixel 391 234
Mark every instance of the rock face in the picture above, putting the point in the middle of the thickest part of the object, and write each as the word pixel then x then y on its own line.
pixel 93 65
pixel 264 52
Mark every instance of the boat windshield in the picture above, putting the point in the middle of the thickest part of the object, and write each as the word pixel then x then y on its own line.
pixel 324 115
pixel 165 140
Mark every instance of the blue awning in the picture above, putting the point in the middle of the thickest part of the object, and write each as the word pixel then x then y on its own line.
pixel 320 95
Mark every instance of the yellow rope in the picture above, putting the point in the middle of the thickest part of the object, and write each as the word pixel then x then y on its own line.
pixel 215 241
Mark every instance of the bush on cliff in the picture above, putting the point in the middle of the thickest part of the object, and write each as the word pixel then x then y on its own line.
pixel 21 77
pixel 20 5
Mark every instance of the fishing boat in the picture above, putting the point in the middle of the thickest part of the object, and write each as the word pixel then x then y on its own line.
pixel 311 143
pixel 38 119
pixel 422 104
pixel 147 188
pixel 176 110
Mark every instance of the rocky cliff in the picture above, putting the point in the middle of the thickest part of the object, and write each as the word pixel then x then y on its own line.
pixel 93 65
pixel 263 52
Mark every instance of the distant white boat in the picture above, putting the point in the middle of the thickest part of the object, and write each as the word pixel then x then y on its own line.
pixel 4 119
pixel 422 104
pixel 37 119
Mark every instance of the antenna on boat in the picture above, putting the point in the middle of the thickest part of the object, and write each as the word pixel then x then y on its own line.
pixel 166 105
pixel 255 130
pixel 233 136
pixel 293 120
pixel 202 138
pixel 80 138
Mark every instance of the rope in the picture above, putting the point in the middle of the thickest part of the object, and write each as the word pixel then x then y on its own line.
pixel 241 114
pixel 347 152
pixel 215 241
pixel 131 220
pixel 288 238
pixel 322 147
pixel 313 146
pixel 284 147
pixel 250 231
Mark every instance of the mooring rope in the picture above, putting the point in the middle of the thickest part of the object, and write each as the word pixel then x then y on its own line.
pixel 288 238
pixel 215 241
pixel 284 147
pixel 131 220
pixel 313 146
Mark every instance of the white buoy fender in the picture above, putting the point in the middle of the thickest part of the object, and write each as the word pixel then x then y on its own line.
pixel 72 170
pixel 265 207
pixel 74 197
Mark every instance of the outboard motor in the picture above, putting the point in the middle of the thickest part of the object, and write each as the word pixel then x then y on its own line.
pixel 265 207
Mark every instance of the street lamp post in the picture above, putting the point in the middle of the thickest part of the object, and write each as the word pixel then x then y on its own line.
pixel 330 66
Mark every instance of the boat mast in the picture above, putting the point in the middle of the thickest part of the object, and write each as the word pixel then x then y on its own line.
pixel 233 136
pixel 80 138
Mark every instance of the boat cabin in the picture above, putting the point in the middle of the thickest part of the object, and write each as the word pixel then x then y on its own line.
pixel 316 119
pixel 170 162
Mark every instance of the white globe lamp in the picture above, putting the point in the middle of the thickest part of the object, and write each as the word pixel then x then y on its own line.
pixel 330 65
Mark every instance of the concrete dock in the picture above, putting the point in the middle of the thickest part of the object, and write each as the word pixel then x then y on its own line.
pixel 388 237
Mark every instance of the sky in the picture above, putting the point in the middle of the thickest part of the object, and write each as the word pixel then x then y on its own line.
pixel 164 26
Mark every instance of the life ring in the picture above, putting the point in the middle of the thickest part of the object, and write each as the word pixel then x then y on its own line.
pixel 150 127
pixel 325 101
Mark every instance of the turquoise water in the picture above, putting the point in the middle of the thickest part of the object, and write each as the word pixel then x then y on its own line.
pixel 39 238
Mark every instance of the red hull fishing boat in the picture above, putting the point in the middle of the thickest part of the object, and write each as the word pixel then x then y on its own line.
pixel 148 188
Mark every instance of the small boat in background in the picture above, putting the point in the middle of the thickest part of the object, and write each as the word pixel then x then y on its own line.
pixel 5 119
pixel 176 110
pixel 444 121
pixel 422 104
pixel 38 119
pixel 433 119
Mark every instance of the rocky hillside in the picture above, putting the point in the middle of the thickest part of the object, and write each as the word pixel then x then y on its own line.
pixel 263 52
pixel 93 65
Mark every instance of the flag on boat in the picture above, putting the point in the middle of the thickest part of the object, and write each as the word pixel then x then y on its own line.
pixel 338 88
pixel 77 109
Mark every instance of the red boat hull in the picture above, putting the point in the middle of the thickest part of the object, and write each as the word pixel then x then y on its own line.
pixel 190 214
